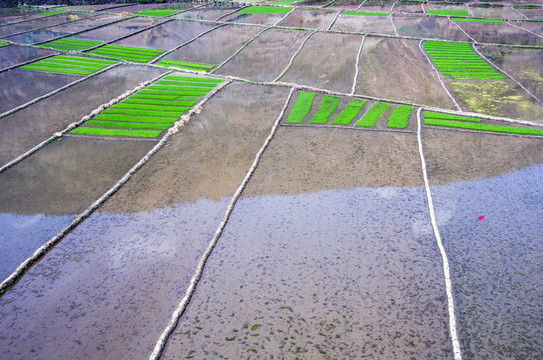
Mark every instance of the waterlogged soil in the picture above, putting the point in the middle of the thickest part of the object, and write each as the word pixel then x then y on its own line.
pixel 407 9
pixel 532 13
pixel 502 12
pixel 364 24
pixel 267 56
pixel 117 30
pixel 310 19
pixel 535 27
pixel 418 82
pixel 216 46
pixel 85 298
pixel 26 128
pixel 205 13
pixel 333 69
pixel 21 86
pixel 136 8
pixel 166 36
pixel 524 65
pixel 491 230
pixel 15 55
pixel 13 15
pixel 42 22
pixel 338 273
pixel 429 27
pixel 502 33
pixel 259 19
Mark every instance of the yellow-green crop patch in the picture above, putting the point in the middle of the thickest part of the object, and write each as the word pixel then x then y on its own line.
pixel 55 12
pixel 157 12
pixel 265 10
pixel 70 44
pixel 363 13
pixel 477 20
pixel 185 65
pixel 69 65
pixel 3 43
pixel 139 55
pixel 448 12
pixel 374 113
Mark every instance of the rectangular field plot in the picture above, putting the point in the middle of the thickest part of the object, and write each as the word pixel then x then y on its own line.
pixel 497 12
pixel 258 15
pixel 15 55
pixel 533 11
pixel 42 22
pixel 432 28
pixel 333 69
pixel 22 130
pixel 70 44
pixel 69 65
pixel 322 260
pixel 117 30
pixel 488 210
pixel 156 12
pixel 134 54
pixel 310 19
pixel 206 13
pixel 144 236
pixel 267 56
pixel 215 47
pixel 375 77
pixel 61 180
pixel 489 32
pixel 364 22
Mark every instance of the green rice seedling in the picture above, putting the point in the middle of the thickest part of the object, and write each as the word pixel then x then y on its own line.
pixel 436 115
pixel 301 108
pixel 476 20
pixel 159 86
pixel 328 106
pixel 156 12
pixel 55 12
pixel 68 65
pixel 483 127
pixel 56 70
pixel 3 43
pixel 194 78
pixel 207 86
pixel 127 53
pixel 139 119
pixel 399 119
pixel 70 44
pixel 448 12
pixel 349 113
pixel 374 113
pixel 528 6
pixel 173 109
pixel 284 2
pixel 141 112
pixel 363 13
pixel 116 132
pixel 85 60
pixel 265 10
pixel 185 65
pixel 164 97
pixel 133 100
pixel 172 93
pixel 125 125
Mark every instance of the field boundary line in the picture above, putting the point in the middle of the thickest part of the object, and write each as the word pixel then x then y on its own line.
pixel 438 75
pixel 85 118
pixel 360 6
pixel 333 21
pixel 353 89
pixel 469 10
pixel 176 316
pixel 521 28
pixel 21 270
pixel 464 31
pixel 446 269
pixel 50 26
pixel 437 127
pixel 350 128
pixel 54 92
pixel 27 20
pixel 392 8
pixel 294 56
pixel 518 12
pixel 28 62
pixel 394 26
pixel 230 13
pixel 506 73
pixel 283 17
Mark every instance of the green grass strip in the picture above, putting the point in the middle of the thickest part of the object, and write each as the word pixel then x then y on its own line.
pixel 67 64
pixel 53 12
pixel 448 12
pixel 187 83
pixel 126 125
pixel 477 20
pixel 196 79
pixel 132 49
pixel 116 132
pixel 156 12
pixel 399 119
pixel 363 13
pixel 139 112
pixel 69 44
pixel 265 10
pixel 436 115
pixel 301 108
pixel 164 97
pixel 483 127
pixel 284 2
pixel 185 65
pixel 349 113
pixel 174 109
pixel 328 106
pixel 139 119
pixel 158 102
pixel 172 93
pixel 178 88
pixel 87 60
pixel 55 70
pixel 3 43
pixel 370 118
pixel 528 6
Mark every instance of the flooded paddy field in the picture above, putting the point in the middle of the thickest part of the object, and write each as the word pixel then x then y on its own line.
pixel 301 180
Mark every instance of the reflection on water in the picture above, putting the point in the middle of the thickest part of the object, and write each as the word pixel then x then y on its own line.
pixel 13 55
pixel 310 19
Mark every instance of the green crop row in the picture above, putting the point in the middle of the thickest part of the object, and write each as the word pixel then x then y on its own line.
pixel 194 79
pixel 483 127
pixel 127 53
pixel 126 125
pixel 133 100
pixel 348 114
pixel 156 12
pixel 175 110
pixel 284 2
pixel 171 93
pixel 265 10
pixel 70 44
pixel 3 43
pixel 53 12
pixel 185 65
pixel 477 20
pixel 440 116
pixel 363 13
pixel 528 6
pixel 301 108
pixel 448 12
pixel 116 132
pixel 399 119
pixel 328 106
pixel 69 65
pixel 139 119
pixel 374 113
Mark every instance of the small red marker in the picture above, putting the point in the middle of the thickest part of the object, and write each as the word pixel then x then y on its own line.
pixel 482 217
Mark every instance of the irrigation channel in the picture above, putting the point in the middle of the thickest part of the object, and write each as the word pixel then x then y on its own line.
pixel 313 179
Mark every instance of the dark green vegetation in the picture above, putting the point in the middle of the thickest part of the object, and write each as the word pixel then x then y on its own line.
pixel 399 119
pixel 349 113
pixel 127 53
pixel 528 6
pixel 69 65
pixel 53 12
pixel 448 12
pixel 459 61
pixel 462 122
pixel 70 44
pixel 265 10
pixel 363 13
pixel 477 20
pixel 328 106
pixel 370 118
pixel 3 43
pixel 151 111
pixel 301 108
pixel 156 12
pixel 185 65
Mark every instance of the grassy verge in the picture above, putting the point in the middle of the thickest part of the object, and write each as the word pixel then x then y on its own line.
pixel 476 20
pixel 328 106
pixel 399 119
pixel 483 127
pixel 265 10
pixel 370 118
pixel 363 13
pixel 3 43
pixel 349 113
pixel 116 132
pixel 448 12
pixel 70 44
pixel 156 12
pixel 53 12
pixel 528 6
pixel 301 108
pixel 185 65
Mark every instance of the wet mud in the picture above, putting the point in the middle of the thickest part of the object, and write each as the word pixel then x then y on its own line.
pixel 502 12
pixel 502 33
pixel 258 19
pixel 429 27
pixel 211 13
pixel 364 24
pixel 42 22
pixel 310 19
pixel 117 30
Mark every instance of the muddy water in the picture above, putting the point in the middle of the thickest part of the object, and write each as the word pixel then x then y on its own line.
pixel 500 33
pixel 42 194
pixel 418 83
pixel 338 273
pixel 136 8
pixel 333 69
pixel 432 28
pixel 120 274
pixel 42 22
pixel 310 19
pixel 217 46
pixel 261 19
pixel 14 55
pixel 495 262
pixel 364 24
pixel 266 57
pixel 211 13
pixel 117 30
pixel 27 128
pixel 20 86
pixel 167 36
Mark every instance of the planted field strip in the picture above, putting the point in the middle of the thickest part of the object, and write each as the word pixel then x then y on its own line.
pixel 53 12
pixel 476 20
pixel 157 12
pixel 265 10
pixel 301 108
pixel 459 61
pixel 374 113
pixel 149 112
pixel 3 43
pixel 349 113
pixel 127 53
pixel 399 119
pixel 363 13
pixel 185 65
pixel 70 44
pixel 69 65
pixel 470 123
pixel 328 106
pixel 448 12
